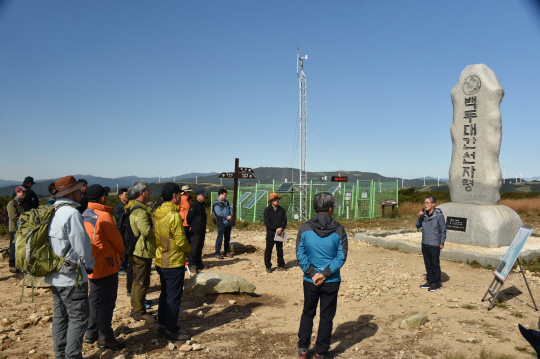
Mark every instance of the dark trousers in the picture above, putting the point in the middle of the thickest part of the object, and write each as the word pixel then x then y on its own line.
pixel 187 232
pixel 129 274
pixel 432 262
pixel 197 244
pixel 224 231
pixel 172 287
pixel 268 252
pixel 141 282
pixel 125 263
pixel 102 298
pixel 12 249
pixel 70 320
pixel 327 293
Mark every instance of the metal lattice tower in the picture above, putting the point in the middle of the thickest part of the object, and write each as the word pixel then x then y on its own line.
pixel 304 202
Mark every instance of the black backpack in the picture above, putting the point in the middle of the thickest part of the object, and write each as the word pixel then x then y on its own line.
pixel 130 240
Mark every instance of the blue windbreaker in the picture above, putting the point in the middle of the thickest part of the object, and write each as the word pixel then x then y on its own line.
pixel 322 247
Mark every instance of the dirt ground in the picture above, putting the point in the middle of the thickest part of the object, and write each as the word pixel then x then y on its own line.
pixel 379 288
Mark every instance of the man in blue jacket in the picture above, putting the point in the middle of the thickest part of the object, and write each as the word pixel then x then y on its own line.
pixel 321 250
pixel 224 215
pixel 431 220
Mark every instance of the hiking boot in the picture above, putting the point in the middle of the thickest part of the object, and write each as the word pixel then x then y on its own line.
pixel 326 355
pixel 228 255
pixel 91 338
pixel 111 344
pixel 173 337
pixel 280 269
pixel 434 287
pixel 201 267
pixel 268 270
pixel 302 353
pixel 14 270
pixel 140 316
pixel 426 286
pixel 218 256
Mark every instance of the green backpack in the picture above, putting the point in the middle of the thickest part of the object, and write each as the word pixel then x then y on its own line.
pixel 33 253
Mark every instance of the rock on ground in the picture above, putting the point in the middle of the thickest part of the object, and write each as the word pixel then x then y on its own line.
pixel 414 321
pixel 217 283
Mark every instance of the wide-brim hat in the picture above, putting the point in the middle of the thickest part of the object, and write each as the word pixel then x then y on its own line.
pixel 186 188
pixel 273 197
pixel 66 185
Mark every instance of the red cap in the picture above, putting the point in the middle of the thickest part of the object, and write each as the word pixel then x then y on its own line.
pixel 21 189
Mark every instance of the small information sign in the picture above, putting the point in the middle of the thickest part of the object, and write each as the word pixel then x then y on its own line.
pixel 456 224
pixel 364 194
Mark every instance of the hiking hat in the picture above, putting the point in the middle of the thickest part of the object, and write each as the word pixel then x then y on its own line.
pixel 186 188
pixel 273 197
pixel 66 185
pixel 29 180
pixel 201 191
pixel 169 189
pixel 21 189
pixel 96 191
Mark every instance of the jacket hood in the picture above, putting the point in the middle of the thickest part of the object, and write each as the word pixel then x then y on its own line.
pixel 323 225
pixel 165 209
pixel 99 207
pixel 134 202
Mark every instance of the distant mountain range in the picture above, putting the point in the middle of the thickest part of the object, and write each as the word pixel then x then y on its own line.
pixel 211 182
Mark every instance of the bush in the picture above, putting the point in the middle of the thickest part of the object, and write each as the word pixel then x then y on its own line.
pixel 411 195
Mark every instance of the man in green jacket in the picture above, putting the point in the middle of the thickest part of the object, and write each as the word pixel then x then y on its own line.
pixel 145 248
pixel 15 208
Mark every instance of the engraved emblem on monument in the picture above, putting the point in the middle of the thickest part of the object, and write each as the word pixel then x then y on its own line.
pixel 471 85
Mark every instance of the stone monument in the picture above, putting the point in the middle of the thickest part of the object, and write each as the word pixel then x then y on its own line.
pixel 474 216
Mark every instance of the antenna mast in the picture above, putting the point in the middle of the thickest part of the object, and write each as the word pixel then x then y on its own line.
pixel 304 203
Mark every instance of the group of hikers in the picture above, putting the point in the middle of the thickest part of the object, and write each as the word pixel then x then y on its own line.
pixel 97 243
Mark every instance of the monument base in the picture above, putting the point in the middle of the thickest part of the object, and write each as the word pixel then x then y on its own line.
pixel 488 226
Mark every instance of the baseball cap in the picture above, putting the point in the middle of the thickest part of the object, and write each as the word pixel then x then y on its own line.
pixel 21 189
pixel 29 179
pixel 96 191
pixel 201 191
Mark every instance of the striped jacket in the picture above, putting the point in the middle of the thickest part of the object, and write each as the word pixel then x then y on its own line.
pixel 171 242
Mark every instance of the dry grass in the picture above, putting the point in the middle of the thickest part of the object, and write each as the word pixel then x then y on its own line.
pixel 522 206
pixel 409 209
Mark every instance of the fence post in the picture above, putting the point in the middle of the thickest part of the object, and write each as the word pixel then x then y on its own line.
pixel 371 200
pixel 343 198
pixel 255 206
pixel 397 197
pixel 356 202
pixel 310 196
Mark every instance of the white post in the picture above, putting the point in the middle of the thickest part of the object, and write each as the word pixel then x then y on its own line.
pixel 347 212
pixel 196 180
pixel 221 182
pixel 174 178
pixel 424 180
pixel 117 189
pixel 438 179
pixel 516 178
pixel 402 181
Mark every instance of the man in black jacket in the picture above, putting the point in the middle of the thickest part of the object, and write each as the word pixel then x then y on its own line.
pixel 275 220
pixel 31 200
pixel 197 218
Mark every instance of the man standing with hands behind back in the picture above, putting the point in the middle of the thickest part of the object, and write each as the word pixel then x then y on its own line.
pixel 321 250
pixel 431 220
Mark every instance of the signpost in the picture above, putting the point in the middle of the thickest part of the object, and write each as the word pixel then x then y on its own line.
pixel 506 265
pixel 239 172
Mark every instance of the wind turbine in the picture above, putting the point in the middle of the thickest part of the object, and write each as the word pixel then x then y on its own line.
pixel 438 179
pixel 424 179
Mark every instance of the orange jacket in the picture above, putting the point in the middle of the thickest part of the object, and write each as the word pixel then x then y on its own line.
pixel 107 242
pixel 184 208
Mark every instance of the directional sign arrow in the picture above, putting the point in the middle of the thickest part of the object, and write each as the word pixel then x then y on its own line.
pixel 236 175
pixel 245 169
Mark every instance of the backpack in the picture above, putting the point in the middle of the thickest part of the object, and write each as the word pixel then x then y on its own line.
pixel 130 240
pixel 33 253
pixel 214 215
pixel 5 216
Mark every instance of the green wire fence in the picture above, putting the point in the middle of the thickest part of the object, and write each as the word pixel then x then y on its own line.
pixel 354 200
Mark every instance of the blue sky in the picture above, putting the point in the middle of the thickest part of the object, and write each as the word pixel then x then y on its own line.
pixel 114 88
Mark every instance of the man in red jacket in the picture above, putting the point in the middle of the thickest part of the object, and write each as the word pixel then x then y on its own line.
pixel 108 251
